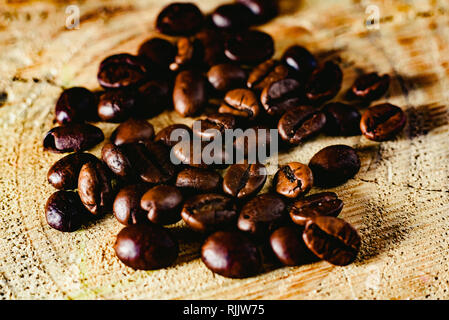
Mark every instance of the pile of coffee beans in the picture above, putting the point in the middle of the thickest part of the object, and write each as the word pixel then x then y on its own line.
pixel 218 57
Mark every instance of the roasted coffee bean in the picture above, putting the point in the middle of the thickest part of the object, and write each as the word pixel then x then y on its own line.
pixel 116 105
pixel 199 180
pixel 190 54
pixel 249 47
pixel 179 19
pixel 341 119
pixel 232 16
pixel 213 126
pixel 324 83
pixel 319 204
pixel 244 180
pixel 226 76
pixel 209 212
pixel 122 71
pixel 117 161
pixel 370 86
pixel 173 134
pixel 382 122
pixel 213 46
pixel 281 96
pixel 189 93
pixel 231 254
pixel 201 154
pixel 95 188
pixel 293 180
pixel 159 52
pixel 132 130
pixel 153 97
pixel 63 174
pixel 263 10
pixel 146 247
pixel 300 60
pixel 289 247
pixel 334 165
pixel 241 103
pixel 72 137
pixel 332 239
pixel 75 104
pixel 266 73
pixel 262 214
pixel 126 205
pixel 163 204
pixel 65 212
pixel 252 140
pixel 301 123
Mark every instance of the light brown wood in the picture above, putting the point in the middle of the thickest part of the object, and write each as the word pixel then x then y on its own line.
pixel 399 201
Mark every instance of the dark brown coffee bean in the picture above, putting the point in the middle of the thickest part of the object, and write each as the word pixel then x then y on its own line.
pixel 201 154
pixel 213 46
pixel 146 247
pixel 153 97
pixel 382 122
pixel 63 174
pixel 199 180
pixel 249 47
pixel 95 188
pixel 334 165
pixel 65 212
pixel 319 204
pixel 117 161
pixel 281 96
pixel 266 73
pixel 341 119
pixel 126 207
pixel 244 180
pixel 213 126
pixel 226 76
pixel 241 103
pixel 122 71
pixel 159 52
pixel 233 16
pixel 249 144
pixel 332 239
pixel 163 204
pixel 190 54
pixel 261 215
pixel 72 137
pixel 324 83
pixel 231 254
pixel 263 10
pixel 116 105
pixel 371 86
pixel 289 247
pixel 293 180
pixel 75 104
pixel 179 19
pixel 301 123
pixel 132 130
pixel 179 131
pixel 189 93
pixel 300 60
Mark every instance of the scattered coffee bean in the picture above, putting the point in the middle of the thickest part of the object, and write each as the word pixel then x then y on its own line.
pixel 153 97
pixel 232 16
pixel 319 204
pixel 213 126
pixel 126 207
pixel 199 180
pixel 173 134
pixel 116 105
pixel 263 10
pixel 190 54
pixel 189 93
pixel 241 103
pixel 332 239
pixel 159 52
pixel 65 212
pixel 293 180
pixel 300 60
pixel 179 19
pixel 244 180
pixel 382 122
pixel 117 161
pixel 132 130
pixel 370 86
pixel 226 76
pixel 163 204
pixel 75 104
pixel 249 47
pixel 72 137
pixel 324 83
pixel 213 46
pixel 122 71
pixel 191 154
pixel 249 144
pixel 266 73
pixel 281 96
pixel 341 119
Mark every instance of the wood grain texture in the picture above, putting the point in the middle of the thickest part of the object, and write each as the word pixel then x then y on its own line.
pixel 399 201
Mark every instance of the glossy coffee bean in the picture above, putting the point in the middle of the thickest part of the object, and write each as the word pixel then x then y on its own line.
pixel 332 239
pixel 241 103
pixel 65 212
pixel 324 83
pixel 159 52
pixel 209 212
pixel 252 140
pixel 249 47
pixel 301 123
pixel 126 206
pixel 122 71
pixel 341 119
pixel 146 247
pixel 163 204
pixel 117 161
pixel 179 19
pixel 293 180
pixel 244 180
pixel 214 126
pixel 116 105
pixel 289 247
pixel 382 122
pixel 261 215
pixel 189 93
pixel 95 188
pixel 370 86
pixel 199 180
pixel 316 205
pixel 263 10
pixel 300 60
pixel 72 137
pixel 232 16
pixel 231 254
pixel 63 174
pixel 226 76
pixel 281 96
pixel 173 134
pixel 190 54
pixel 266 73
pixel 75 104
pixel 132 130
pixel 153 97
pixel 213 46
pixel 334 165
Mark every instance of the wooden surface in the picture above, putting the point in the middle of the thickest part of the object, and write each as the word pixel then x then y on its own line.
pixel 399 201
